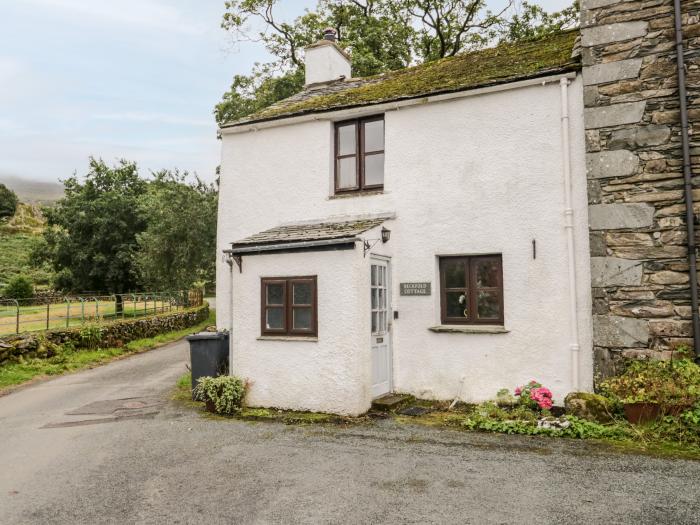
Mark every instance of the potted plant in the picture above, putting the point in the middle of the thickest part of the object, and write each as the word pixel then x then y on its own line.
pixel 650 389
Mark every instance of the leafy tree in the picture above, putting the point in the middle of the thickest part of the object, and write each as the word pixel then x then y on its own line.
pixel 92 230
pixel 19 287
pixel 8 202
pixel 382 35
pixel 178 246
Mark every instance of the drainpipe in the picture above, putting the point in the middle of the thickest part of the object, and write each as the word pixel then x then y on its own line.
pixel 229 261
pixel 574 346
pixel 687 178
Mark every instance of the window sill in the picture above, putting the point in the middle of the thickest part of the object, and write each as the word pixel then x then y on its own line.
pixel 351 194
pixel 306 339
pixel 469 329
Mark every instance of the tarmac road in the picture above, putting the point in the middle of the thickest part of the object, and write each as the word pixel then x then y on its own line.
pixel 106 446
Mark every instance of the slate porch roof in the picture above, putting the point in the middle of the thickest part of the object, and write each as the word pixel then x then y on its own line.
pixel 508 62
pixel 287 236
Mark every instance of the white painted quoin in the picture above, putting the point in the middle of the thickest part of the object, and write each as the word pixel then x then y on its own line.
pixel 474 172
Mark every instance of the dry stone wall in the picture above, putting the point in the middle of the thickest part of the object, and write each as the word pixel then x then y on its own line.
pixel 641 296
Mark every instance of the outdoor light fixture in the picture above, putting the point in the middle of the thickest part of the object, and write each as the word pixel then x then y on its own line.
pixel 386 235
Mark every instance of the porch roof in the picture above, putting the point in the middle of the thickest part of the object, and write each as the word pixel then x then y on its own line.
pixel 305 235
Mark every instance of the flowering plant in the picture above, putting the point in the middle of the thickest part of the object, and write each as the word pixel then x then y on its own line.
pixel 534 396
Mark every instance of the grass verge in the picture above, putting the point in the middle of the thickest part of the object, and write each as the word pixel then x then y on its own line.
pixel 15 374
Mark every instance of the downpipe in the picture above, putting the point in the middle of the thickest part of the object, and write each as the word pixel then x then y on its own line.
pixel 687 178
pixel 574 346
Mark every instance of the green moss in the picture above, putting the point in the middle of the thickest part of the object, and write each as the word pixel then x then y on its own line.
pixel 497 65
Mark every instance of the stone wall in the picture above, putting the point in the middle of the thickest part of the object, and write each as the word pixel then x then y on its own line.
pixel 115 334
pixel 641 297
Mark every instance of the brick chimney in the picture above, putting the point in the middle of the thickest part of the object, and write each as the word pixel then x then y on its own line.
pixel 325 61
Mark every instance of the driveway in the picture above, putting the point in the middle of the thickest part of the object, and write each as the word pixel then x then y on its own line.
pixel 105 446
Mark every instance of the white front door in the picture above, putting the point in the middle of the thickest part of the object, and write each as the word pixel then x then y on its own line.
pixel 381 327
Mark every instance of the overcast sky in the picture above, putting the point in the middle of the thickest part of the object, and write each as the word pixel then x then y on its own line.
pixel 134 79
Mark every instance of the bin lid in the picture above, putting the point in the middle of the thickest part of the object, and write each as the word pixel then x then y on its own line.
pixel 207 335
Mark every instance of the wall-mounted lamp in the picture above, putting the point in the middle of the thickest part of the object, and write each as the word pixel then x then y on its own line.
pixel 386 235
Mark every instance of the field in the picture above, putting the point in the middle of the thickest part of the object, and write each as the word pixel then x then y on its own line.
pixel 17 318
pixel 18 237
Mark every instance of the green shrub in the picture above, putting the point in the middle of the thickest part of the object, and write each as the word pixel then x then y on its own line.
pixel 8 202
pixel 664 382
pixel 225 392
pixel 19 287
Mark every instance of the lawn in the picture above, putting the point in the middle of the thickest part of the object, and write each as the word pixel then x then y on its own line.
pixel 18 373
pixel 73 313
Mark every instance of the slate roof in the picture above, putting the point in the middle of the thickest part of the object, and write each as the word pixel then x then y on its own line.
pixel 552 54
pixel 296 233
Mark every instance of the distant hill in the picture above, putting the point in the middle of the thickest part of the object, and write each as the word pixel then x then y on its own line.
pixel 33 191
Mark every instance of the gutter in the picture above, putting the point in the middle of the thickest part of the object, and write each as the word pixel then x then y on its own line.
pixel 257 248
pixel 574 345
pixel 687 177
pixel 341 114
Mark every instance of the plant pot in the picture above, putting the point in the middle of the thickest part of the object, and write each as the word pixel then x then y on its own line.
pixel 210 406
pixel 641 413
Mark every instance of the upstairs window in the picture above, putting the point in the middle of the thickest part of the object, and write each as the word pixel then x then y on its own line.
pixel 289 306
pixel 471 290
pixel 359 155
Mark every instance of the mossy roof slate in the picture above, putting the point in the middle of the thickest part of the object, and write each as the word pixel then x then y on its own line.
pixel 497 65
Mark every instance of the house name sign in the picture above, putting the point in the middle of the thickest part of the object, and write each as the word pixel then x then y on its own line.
pixel 415 289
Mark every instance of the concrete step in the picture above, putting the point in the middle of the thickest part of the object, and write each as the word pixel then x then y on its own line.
pixel 389 401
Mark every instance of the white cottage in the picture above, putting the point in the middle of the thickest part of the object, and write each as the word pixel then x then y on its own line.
pixel 423 231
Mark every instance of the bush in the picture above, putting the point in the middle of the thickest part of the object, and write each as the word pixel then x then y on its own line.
pixel 19 287
pixel 226 393
pixel 666 383
pixel 8 202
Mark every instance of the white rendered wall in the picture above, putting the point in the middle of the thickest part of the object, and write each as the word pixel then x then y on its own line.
pixel 475 175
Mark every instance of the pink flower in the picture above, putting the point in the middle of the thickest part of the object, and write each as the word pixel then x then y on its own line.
pixel 518 391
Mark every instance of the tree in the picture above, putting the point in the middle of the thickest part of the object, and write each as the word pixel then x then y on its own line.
pixel 8 202
pixel 382 35
pixel 178 246
pixel 92 230
pixel 19 287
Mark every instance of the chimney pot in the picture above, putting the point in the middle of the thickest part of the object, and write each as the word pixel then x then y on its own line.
pixel 330 34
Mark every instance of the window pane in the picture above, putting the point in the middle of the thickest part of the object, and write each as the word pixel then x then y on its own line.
pixel 455 276
pixel 302 293
pixel 347 173
pixel 375 321
pixel 302 318
pixel 487 273
pixel 374 135
pixel 375 294
pixel 457 304
pixel 374 274
pixel 274 318
pixel 374 169
pixel 346 140
pixel 275 293
pixel 487 305
pixel 382 299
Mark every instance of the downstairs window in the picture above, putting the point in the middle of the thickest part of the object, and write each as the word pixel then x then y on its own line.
pixel 289 306
pixel 471 290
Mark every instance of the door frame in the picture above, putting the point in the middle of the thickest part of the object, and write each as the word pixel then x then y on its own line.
pixel 390 318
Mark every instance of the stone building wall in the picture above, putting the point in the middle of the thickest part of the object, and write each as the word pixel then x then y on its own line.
pixel 641 296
